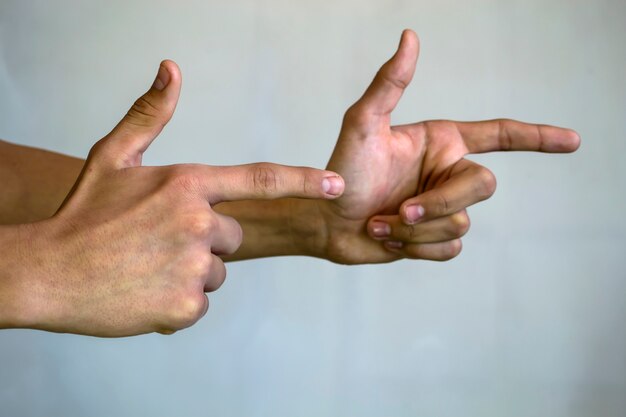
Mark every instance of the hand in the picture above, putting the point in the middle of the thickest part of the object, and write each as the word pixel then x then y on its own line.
pixel 407 187
pixel 133 249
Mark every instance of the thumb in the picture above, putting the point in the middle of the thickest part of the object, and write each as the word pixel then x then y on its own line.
pixel 125 145
pixel 383 94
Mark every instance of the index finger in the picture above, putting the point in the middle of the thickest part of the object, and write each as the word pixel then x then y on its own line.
pixel 268 181
pixel 511 135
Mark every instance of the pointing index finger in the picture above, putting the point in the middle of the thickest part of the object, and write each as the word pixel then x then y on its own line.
pixel 269 181
pixel 511 135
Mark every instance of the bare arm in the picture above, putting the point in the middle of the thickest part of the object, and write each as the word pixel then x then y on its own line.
pixel 34 182
pixel 409 203
pixel 130 249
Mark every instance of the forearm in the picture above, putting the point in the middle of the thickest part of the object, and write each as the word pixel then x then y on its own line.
pixel 34 182
pixel 17 294
pixel 37 182
pixel 281 227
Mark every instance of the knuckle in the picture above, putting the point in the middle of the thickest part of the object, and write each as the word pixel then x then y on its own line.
pixel 263 179
pixel 460 224
pixel 393 75
pixel 420 129
pixel 309 182
pixel 506 141
pixel 100 151
pixel 216 280
pixel 145 112
pixel 413 252
pixel 98 147
pixel 184 179
pixel 186 310
pixel 486 183
pixel 355 116
pixel 441 133
pixel 442 205
pixel 452 250
pixel 232 239
pixel 351 113
pixel 199 264
pixel 437 125
pixel 200 224
pixel 408 232
pixel 237 237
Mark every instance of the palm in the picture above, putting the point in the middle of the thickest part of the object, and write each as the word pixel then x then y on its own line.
pixel 379 177
pixel 387 168
pixel 380 173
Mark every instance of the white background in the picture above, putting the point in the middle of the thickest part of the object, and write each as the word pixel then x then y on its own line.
pixel 527 321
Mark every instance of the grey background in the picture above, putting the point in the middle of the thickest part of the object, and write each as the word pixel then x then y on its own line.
pixel 527 321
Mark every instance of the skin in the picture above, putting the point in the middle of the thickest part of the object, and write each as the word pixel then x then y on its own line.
pixel 388 169
pixel 133 249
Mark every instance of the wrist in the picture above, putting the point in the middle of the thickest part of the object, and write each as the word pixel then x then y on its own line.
pixel 30 290
pixel 286 226
pixel 307 229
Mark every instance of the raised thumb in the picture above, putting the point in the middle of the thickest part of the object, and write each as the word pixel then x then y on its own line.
pixel 127 142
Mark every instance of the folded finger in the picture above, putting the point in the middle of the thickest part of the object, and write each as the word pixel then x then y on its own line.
pixel 226 235
pixel 438 230
pixel 216 274
pixel 442 251
pixel 470 184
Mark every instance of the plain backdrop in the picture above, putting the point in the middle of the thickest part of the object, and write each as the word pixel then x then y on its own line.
pixel 527 321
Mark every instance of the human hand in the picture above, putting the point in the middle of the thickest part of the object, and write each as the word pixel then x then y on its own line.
pixel 407 187
pixel 133 249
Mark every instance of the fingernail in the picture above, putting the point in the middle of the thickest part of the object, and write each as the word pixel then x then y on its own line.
pixel 162 79
pixel 380 229
pixel 332 185
pixel 393 244
pixel 414 213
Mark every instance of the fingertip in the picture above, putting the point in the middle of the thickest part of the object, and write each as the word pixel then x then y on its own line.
pixel 333 185
pixel 378 228
pixel 556 139
pixel 172 68
pixel 574 139
pixel 147 116
pixel 409 40
pixel 410 36
pixel 393 245
pixel 402 64
pixel 168 76
pixel 412 212
pixel 162 79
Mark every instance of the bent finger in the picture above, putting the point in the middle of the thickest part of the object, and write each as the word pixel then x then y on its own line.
pixel 442 251
pixel 438 230
pixel 470 184
pixel 226 237
pixel 216 275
